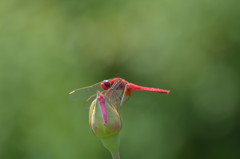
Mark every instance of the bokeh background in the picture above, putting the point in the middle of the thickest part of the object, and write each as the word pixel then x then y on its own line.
pixel 50 47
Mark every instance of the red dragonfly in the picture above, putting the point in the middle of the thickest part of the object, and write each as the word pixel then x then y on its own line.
pixel 115 90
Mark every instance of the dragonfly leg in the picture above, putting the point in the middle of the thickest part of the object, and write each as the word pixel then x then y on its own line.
pixel 118 96
pixel 114 95
pixel 123 93
pixel 90 97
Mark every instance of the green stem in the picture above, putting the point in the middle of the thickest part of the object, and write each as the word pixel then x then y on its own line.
pixel 115 154
pixel 112 144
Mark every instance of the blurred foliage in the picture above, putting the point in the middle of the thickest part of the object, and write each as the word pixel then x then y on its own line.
pixel 50 47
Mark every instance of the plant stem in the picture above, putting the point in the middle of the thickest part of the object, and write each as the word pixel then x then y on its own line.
pixel 112 144
pixel 115 154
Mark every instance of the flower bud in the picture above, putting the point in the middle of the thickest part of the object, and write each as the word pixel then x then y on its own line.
pixel 105 122
pixel 104 118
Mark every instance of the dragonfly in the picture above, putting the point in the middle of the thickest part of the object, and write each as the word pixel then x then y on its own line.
pixel 115 90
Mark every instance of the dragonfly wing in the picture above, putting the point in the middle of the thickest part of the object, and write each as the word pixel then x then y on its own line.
pixel 85 93
pixel 124 96
pixel 117 94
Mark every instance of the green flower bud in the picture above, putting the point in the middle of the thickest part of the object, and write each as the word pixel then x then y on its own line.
pixel 105 122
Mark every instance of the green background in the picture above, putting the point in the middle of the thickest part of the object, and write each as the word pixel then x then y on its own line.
pixel 50 47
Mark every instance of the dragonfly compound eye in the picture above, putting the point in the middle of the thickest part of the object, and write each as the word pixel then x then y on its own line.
pixel 105 84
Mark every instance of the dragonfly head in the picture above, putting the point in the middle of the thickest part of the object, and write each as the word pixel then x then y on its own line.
pixel 105 84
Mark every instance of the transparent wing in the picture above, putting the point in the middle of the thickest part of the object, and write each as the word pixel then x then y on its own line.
pixel 117 94
pixel 85 93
